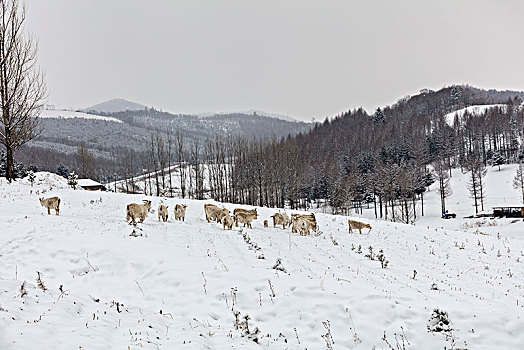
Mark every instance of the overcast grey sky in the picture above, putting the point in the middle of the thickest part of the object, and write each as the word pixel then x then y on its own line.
pixel 301 58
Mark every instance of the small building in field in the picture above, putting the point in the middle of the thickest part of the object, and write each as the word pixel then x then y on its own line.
pixel 509 211
pixel 91 185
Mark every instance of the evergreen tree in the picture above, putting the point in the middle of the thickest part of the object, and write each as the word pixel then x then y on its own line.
pixel 497 159
pixel 72 180
pixel 455 94
pixel 379 116
pixel 63 171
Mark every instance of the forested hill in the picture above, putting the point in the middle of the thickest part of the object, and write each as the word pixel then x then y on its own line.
pixel 449 99
pixel 384 158
pixel 197 127
pixel 107 139
pixel 415 129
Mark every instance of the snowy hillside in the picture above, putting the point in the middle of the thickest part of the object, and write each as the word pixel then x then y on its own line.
pixel 190 284
pixel 64 131
pixel 46 113
pixel 474 110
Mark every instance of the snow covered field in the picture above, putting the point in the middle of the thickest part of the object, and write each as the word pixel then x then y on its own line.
pixel 179 285
pixel 52 113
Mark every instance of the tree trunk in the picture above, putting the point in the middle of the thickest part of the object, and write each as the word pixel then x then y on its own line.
pixel 10 169
pixel 422 202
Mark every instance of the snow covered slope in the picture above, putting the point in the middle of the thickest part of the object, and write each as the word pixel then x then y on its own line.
pixel 478 109
pixel 46 113
pixel 179 285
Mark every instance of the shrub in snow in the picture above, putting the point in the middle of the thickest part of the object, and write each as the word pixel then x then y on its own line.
pixel 39 282
pixel 371 255
pixel 242 323
pixel 380 257
pixel 439 322
pixel 23 291
pixel 251 245
pixel 328 338
pixel 383 261
pixel 278 266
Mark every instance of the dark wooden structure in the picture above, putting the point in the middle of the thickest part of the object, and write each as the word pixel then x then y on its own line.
pixel 91 185
pixel 508 212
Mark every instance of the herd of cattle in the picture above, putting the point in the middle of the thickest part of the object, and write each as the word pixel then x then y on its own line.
pixel 300 223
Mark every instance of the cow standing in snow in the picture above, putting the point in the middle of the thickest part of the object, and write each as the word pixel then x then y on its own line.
pixel 162 213
pixel 309 217
pixel 228 221
pixel 354 225
pixel 51 203
pixel 180 212
pixel 245 218
pixel 214 213
pixel 252 212
pixel 280 219
pixel 303 226
pixel 135 211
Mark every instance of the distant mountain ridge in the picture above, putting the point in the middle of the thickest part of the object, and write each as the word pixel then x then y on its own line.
pixel 115 105
pixel 121 105
pixel 254 112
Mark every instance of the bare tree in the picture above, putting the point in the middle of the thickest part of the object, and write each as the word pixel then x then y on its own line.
pixel 475 184
pixel 197 171
pixel 161 157
pixel 22 86
pixel 85 162
pixel 443 180
pixel 181 160
pixel 169 158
